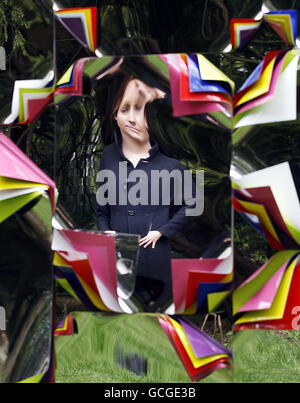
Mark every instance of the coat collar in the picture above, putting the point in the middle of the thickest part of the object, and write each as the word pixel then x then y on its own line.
pixel 118 141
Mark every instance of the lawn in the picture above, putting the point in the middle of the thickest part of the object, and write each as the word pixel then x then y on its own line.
pixel 264 356
pixel 91 355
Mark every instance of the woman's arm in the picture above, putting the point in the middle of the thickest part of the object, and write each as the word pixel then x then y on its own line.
pixel 179 216
pixel 150 239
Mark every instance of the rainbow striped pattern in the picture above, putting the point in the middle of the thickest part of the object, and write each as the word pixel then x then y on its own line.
pixel 67 327
pixel 199 353
pixel 198 87
pixel 269 201
pixel 30 98
pixel 81 23
pixel 270 298
pixel 284 22
pixel 201 285
pixel 21 181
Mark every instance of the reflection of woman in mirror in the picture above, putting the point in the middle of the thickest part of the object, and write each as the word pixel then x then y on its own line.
pixel 134 146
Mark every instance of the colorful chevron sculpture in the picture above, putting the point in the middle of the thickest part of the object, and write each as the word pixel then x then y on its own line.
pixel 201 285
pixel 81 23
pixel 67 327
pixel 75 276
pixel 242 30
pixel 30 98
pixel 91 257
pixel 87 264
pixel 284 22
pixel 21 181
pixel 71 83
pixel 268 298
pixel 210 90
pixel 199 353
pixel 269 201
pixel 268 95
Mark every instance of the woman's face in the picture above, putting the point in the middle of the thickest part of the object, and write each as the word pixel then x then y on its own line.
pixel 131 113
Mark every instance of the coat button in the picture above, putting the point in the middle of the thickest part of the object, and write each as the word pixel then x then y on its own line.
pixel 130 212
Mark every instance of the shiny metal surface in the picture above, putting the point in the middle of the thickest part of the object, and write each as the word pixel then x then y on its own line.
pixel 127 256
pixel 26 293
pixel 200 142
pixel 128 27
pixel 27 37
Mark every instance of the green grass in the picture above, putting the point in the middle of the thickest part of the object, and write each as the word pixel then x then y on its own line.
pixel 90 355
pixel 264 356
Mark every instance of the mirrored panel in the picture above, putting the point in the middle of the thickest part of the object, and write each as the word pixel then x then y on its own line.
pixel 26 293
pixel 27 71
pixel 265 177
pixel 122 347
pixel 196 147
pixel 27 190
pixel 118 27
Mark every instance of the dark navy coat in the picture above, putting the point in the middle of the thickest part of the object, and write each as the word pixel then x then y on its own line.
pixel 140 219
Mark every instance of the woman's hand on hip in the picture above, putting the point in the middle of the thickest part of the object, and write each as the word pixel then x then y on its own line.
pixel 151 238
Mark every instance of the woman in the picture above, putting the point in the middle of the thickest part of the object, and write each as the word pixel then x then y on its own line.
pixel 134 151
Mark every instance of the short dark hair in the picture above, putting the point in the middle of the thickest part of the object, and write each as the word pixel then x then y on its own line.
pixel 118 96
pixel 109 93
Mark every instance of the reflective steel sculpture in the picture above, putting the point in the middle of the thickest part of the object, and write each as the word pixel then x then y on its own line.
pixel 229 109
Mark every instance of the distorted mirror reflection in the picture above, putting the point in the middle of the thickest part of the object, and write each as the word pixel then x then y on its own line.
pixel 27 37
pixel 147 27
pixel 26 292
pixel 26 274
pixel 239 63
pixel 255 148
pixel 86 127
pixel 126 346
